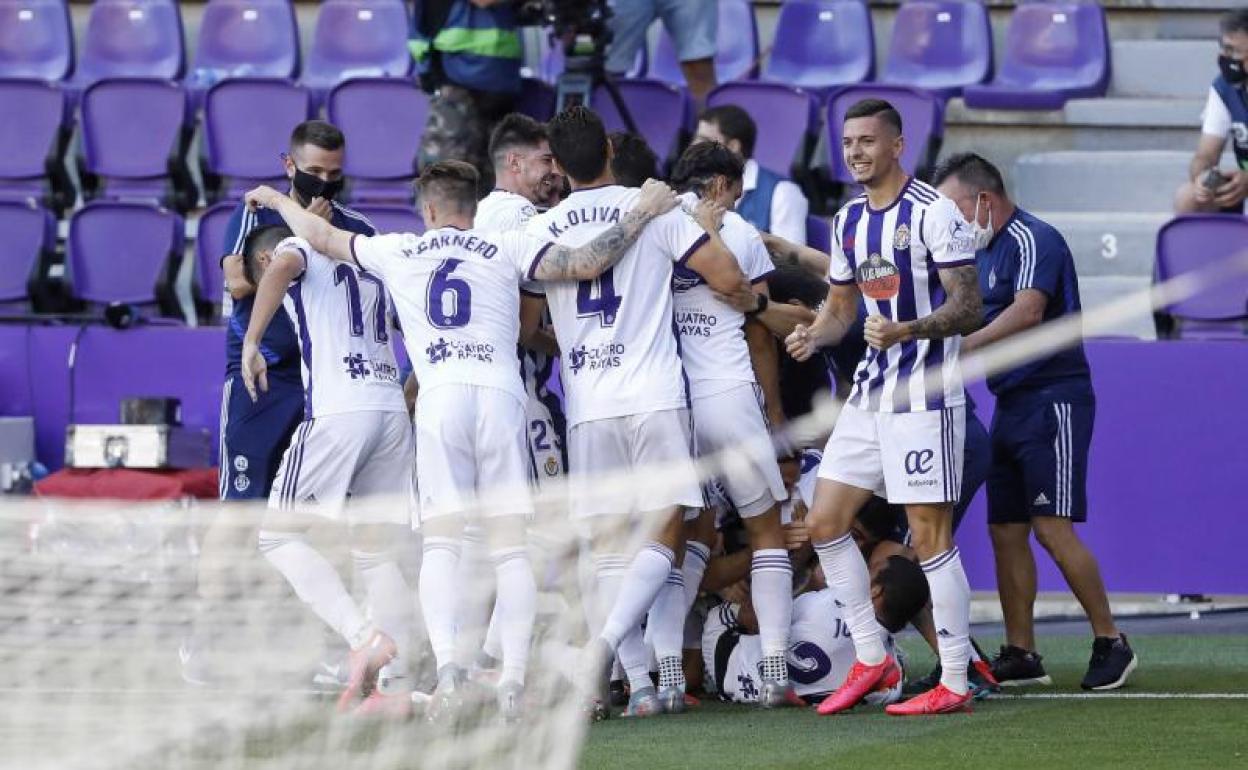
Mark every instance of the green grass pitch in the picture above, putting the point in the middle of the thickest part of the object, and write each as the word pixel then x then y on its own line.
pixel 1003 732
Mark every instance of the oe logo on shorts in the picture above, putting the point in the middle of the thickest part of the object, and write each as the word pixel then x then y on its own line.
pixel 919 461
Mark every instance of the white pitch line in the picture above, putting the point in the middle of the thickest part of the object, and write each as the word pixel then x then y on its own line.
pixel 1122 696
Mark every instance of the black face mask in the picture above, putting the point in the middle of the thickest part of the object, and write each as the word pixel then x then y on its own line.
pixel 309 187
pixel 1232 70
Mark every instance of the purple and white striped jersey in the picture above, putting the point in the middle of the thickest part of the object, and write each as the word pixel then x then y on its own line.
pixel 893 255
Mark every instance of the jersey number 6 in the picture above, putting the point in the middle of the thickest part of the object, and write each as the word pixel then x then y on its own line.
pixel 441 284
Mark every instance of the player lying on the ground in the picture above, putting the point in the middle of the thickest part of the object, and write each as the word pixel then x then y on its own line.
pixel 820 653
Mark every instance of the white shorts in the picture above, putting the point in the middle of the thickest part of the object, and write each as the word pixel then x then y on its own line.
pixel 356 454
pixel 545 441
pixel 638 463
pixel 908 457
pixel 471 453
pixel 732 422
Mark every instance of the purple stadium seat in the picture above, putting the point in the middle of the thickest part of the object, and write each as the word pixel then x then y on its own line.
pixel 36 40
pixel 1053 52
pixel 209 248
pixel 940 45
pixel 660 110
pixel 786 119
pixel 16 382
pixel 123 252
pixel 537 99
pixel 1198 241
pixel 921 119
pixel 382 119
pixel 131 39
pixel 241 151
pixel 245 38
pixel 357 38
pixel 821 44
pixel 34 132
pixel 393 218
pixel 737 57
pixel 135 133
pixel 819 233
pixel 29 240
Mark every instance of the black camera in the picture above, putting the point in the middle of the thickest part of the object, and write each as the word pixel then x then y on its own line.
pixel 569 18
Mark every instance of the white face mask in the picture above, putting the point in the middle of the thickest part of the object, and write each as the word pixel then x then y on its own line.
pixel 981 235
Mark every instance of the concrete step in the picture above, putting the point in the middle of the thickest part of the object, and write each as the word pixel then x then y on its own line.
pixel 1136 320
pixel 1113 111
pixel 1170 68
pixel 1109 244
pixel 1100 181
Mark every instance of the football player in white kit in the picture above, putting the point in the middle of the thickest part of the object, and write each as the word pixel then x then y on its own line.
pixel 524 177
pixel 626 398
pixel 355 440
pixel 457 294
pixel 820 652
pixel 721 350
pixel 908 251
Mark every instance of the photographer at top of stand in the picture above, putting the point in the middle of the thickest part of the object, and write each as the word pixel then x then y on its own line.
pixel 468 56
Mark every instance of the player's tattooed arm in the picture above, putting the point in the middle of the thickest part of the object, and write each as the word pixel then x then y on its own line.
pixel 316 230
pixel 561 263
pixel 785 253
pixel 962 312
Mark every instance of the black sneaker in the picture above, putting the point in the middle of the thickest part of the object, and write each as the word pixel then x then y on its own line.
pixel 1112 662
pixel 1016 667
pixel 919 686
pixel 617 694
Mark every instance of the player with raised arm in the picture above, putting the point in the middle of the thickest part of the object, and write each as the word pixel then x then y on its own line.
pixel 456 290
pixel 626 398
pixel 355 441
pixel 908 251
pixel 730 359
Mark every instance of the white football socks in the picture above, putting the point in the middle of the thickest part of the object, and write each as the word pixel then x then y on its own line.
pixel 439 595
pixel 771 586
pixel 847 576
pixel 516 607
pixel 474 579
pixel 390 603
pixel 666 628
pixel 951 611
pixel 646 575
pixel 696 557
pixel 317 583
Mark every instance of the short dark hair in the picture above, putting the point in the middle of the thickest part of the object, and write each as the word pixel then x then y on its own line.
pixel 734 123
pixel 905 592
pixel 515 130
pixel 1234 21
pixel 867 108
pixel 972 170
pixel 704 161
pixel 262 238
pixel 789 283
pixel 450 181
pixel 578 140
pixel 319 133
pixel 632 160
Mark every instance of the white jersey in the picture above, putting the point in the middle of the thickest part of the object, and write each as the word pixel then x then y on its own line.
pixel 894 255
pixel 712 334
pixel 502 211
pixel 819 657
pixel 344 325
pixel 457 293
pixel 619 349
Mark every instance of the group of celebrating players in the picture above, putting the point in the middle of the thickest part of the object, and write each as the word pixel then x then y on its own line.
pixel 665 312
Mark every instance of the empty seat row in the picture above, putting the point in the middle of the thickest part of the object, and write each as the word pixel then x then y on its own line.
pixel 136 134
pixel 237 38
pixel 1053 50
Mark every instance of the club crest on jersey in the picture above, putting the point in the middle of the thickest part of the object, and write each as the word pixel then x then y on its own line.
pixel 240 463
pixel 878 278
pixel 901 238
pixel 992 279
pixel 552 466
pixel 241 482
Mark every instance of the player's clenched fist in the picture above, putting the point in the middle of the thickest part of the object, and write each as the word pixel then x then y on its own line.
pixel 656 198
pixel 800 344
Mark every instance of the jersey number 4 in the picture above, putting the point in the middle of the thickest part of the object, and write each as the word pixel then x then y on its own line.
pixel 598 297
pixel 445 291
pixel 344 274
